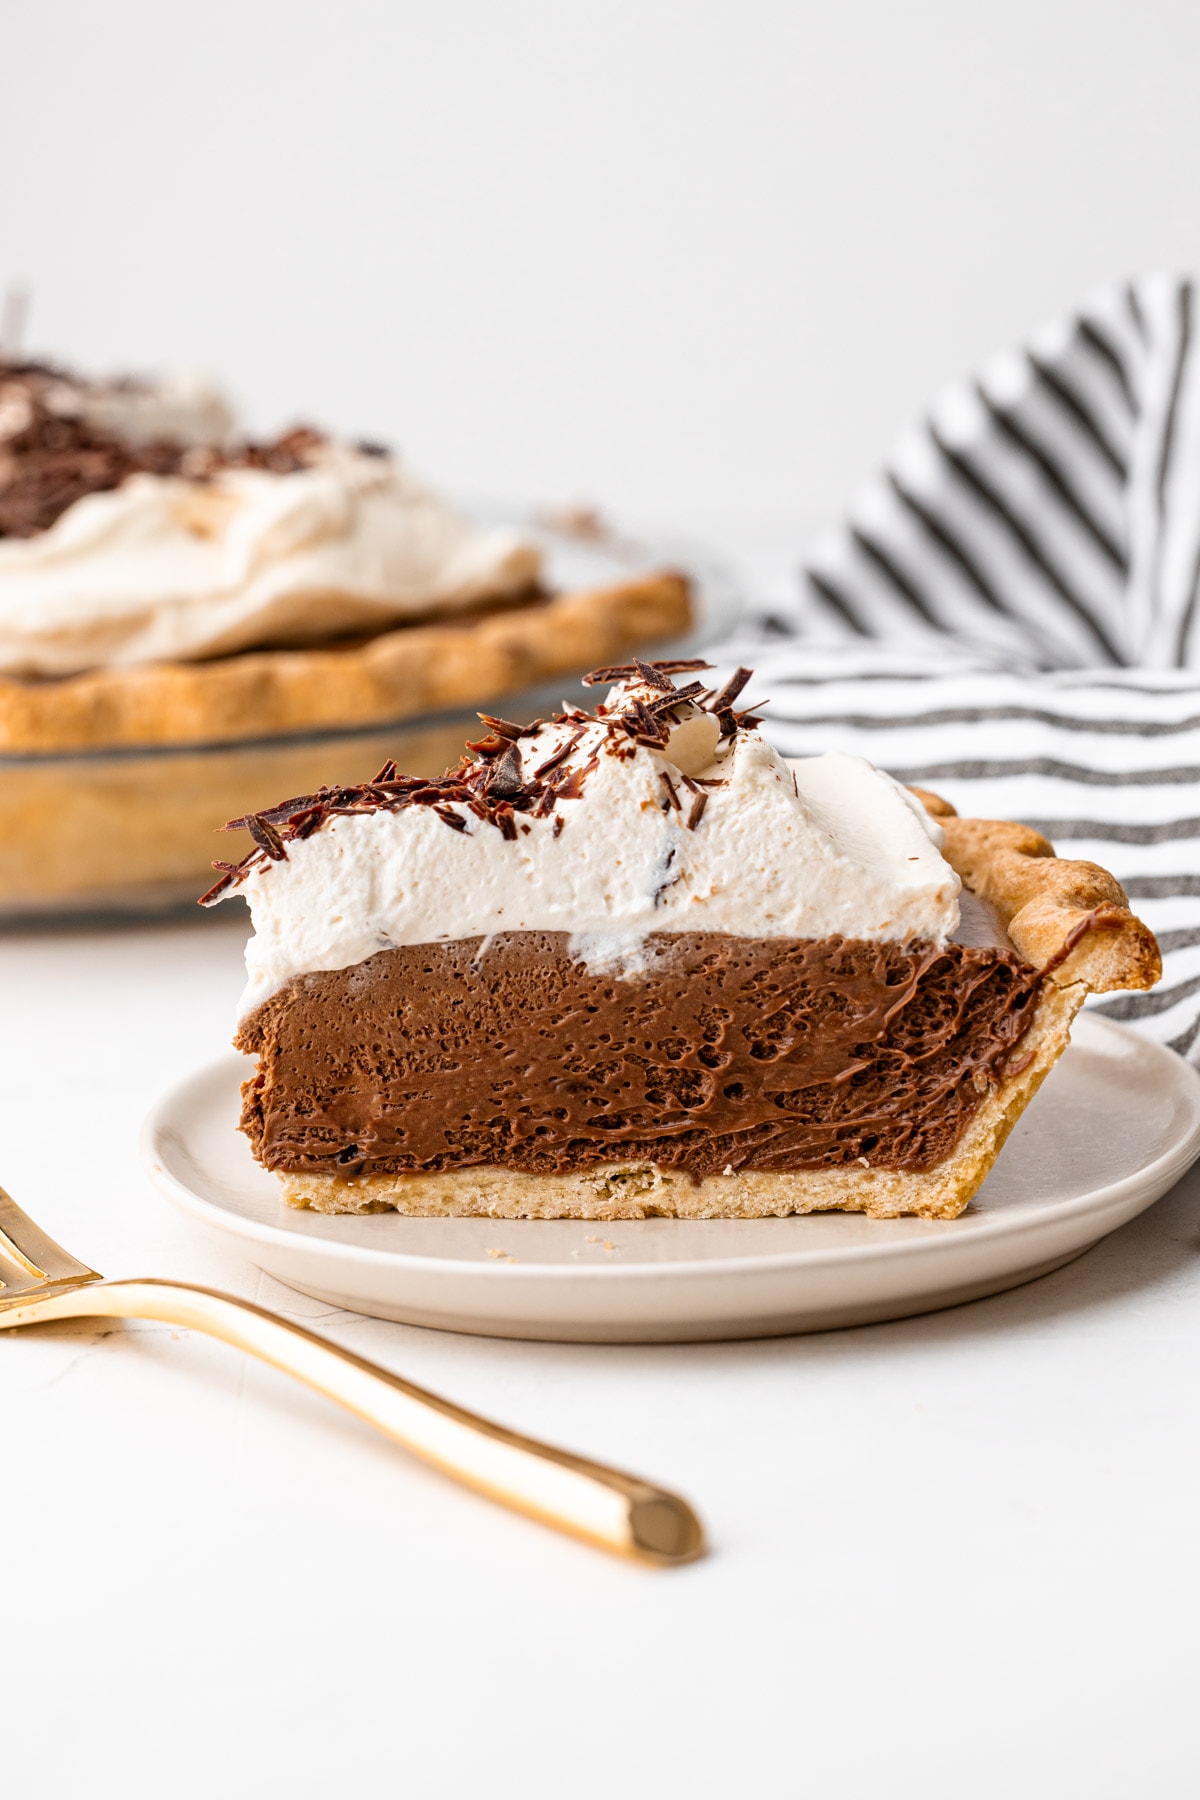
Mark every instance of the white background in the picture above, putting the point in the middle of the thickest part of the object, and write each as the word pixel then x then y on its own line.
pixel 697 261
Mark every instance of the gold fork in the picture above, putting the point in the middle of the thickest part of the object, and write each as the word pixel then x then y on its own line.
pixel 39 1282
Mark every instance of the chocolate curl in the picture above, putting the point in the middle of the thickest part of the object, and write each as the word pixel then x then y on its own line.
pixel 654 677
pixel 730 691
pixel 571 787
pixel 502 727
pixel 622 671
pixel 304 824
pixel 505 775
pixel 552 762
pixel 266 837
pixel 676 697
pixel 280 814
pixel 231 872
pixel 647 729
pixel 216 890
pixel 750 720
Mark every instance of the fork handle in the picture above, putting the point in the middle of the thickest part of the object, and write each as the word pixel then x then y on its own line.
pixel 609 1508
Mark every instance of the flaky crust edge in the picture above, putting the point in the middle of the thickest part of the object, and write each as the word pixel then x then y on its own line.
pixel 398 675
pixel 1069 919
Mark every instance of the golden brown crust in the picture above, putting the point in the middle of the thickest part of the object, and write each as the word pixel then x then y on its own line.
pixel 1071 919
pixel 398 675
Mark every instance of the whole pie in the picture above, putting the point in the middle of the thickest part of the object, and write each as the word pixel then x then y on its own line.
pixel 186 614
pixel 631 962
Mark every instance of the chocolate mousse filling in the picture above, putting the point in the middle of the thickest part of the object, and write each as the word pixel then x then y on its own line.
pixel 727 1053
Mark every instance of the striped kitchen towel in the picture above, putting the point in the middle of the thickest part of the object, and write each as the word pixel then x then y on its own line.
pixel 1009 614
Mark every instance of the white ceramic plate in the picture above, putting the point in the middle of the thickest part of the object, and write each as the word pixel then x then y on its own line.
pixel 1116 1124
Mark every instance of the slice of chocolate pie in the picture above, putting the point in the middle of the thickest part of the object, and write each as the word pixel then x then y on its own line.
pixel 633 962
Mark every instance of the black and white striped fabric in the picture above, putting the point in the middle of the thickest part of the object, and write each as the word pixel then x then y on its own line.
pixel 1010 614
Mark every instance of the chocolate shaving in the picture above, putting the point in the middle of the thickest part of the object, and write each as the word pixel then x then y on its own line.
pixel 502 727
pixel 552 762
pixel 696 811
pixel 448 817
pixel 624 671
pixel 672 796
pixel 653 677
pixel 505 776
pixel 667 702
pixel 571 788
pixel 400 784
pixel 730 691
pixel 648 730
pixel 266 837
pixel 280 814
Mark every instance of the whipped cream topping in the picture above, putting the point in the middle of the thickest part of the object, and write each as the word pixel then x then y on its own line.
pixel 166 567
pixel 708 830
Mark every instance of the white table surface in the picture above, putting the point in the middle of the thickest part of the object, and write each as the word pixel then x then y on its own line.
pixel 952 1556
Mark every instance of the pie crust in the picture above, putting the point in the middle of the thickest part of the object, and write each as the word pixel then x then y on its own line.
pixel 1071 918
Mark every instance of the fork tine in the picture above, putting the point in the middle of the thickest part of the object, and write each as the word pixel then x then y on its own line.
pixel 36 1257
